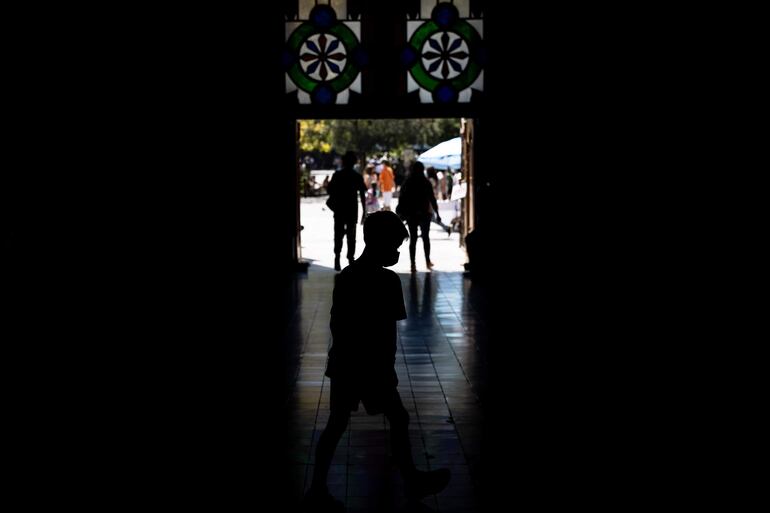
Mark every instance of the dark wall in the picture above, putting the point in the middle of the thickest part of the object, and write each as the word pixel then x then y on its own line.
pixel 150 248
pixel 148 257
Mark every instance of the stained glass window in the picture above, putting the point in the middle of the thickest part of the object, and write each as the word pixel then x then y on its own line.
pixel 445 53
pixel 323 55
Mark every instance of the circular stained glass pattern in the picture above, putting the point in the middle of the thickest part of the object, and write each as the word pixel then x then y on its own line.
pixel 323 55
pixel 442 54
pixel 445 55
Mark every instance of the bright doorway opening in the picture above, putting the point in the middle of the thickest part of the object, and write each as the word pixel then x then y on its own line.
pixel 401 142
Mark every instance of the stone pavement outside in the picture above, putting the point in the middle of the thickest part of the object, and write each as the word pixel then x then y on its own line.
pixel 318 239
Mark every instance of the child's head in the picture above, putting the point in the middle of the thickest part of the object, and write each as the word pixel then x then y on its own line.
pixel 384 232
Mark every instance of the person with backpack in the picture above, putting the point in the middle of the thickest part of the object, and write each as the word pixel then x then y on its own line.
pixel 345 185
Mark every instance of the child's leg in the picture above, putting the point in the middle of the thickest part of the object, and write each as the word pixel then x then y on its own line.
pixel 339 415
pixel 327 444
pixel 418 484
pixel 399 434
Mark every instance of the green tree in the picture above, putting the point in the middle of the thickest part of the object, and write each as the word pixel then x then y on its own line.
pixel 373 137
pixel 315 135
pixel 370 137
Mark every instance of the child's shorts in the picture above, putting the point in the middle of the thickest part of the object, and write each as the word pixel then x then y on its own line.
pixel 345 395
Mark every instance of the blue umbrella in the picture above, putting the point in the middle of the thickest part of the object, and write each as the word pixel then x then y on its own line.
pixel 444 155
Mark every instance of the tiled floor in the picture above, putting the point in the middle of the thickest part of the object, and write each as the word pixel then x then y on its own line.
pixel 441 370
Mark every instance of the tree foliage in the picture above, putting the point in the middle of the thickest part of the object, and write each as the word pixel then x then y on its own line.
pixel 314 135
pixel 372 137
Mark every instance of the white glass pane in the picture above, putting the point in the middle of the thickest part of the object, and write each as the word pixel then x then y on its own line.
pixel 463 7
pixel 341 8
pixel 426 7
pixel 304 8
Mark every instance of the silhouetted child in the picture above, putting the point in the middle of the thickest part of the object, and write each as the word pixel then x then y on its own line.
pixel 361 364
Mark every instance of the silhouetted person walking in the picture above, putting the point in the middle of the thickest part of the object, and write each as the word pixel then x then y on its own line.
pixel 343 188
pixel 417 204
pixel 361 364
pixel 387 184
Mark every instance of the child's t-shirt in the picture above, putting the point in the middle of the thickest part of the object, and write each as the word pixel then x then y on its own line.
pixel 364 345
